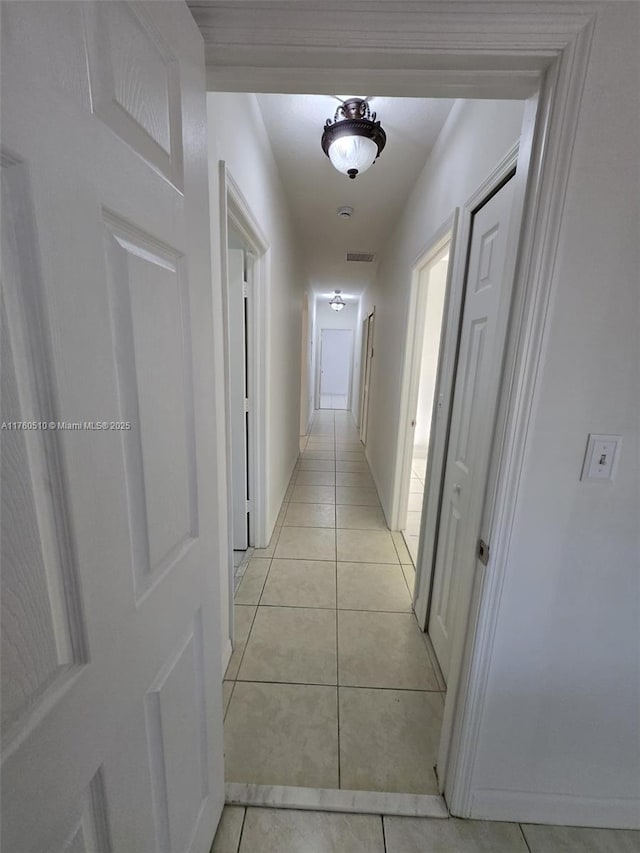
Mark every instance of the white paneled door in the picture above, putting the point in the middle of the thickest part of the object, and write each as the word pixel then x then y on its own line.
pixel 335 366
pixel 486 305
pixel 111 683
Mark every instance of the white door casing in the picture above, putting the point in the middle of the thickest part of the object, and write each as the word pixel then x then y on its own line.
pixel 364 422
pixel 112 732
pixel 482 339
pixel 238 397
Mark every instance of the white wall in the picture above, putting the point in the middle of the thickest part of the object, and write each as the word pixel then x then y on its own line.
pixel 561 728
pixel 560 735
pixel 327 318
pixel 238 136
pixel 473 140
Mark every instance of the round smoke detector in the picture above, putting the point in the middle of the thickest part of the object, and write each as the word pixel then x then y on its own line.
pixel 345 212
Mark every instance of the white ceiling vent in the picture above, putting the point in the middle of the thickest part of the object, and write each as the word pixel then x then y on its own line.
pixel 362 257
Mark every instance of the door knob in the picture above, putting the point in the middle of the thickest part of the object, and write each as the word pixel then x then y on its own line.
pixel 456 488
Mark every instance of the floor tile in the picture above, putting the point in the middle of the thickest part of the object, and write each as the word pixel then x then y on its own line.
pixel 252 582
pixel 227 689
pixel 360 517
pixel 271 547
pixel 400 659
pixel 292 644
pixel 316 478
pixel 357 495
pixel 413 522
pixel 351 455
pixel 371 586
pixel 229 830
pixel 417 835
pixel 413 544
pixel 310 515
pixel 290 831
pixel 301 583
pixel 416 486
pixel 409 576
pixel 282 734
pixel 401 546
pixel 242 618
pixel 349 478
pixel 366 546
pixel 317 465
pixel 415 502
pixel 574 839
pixel 389 740
pixel 317 454
pixel 356 467
pixel 306 543
pixel 313 494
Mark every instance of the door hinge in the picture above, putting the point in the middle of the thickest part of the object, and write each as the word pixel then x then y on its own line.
pixel 249 506
pixel 245 289
pixel 246 404
pixel 483 552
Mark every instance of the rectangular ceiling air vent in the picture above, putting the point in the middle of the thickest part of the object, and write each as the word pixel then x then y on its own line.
pixel 362 257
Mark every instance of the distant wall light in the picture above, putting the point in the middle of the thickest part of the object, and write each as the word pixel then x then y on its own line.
pixel 337 302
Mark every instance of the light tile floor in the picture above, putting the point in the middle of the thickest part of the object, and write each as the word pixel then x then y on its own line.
pixel 258 830
pixel 414 508
pixel 331 683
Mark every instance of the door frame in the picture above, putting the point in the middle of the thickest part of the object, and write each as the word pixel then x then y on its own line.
pixel 319 366
pixel 445 234
pixel 543 55
pixel 235 210
pixel 367 331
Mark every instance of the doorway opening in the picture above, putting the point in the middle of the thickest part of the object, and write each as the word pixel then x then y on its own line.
pixel 336 355
pixel 424 334
pixel 244 257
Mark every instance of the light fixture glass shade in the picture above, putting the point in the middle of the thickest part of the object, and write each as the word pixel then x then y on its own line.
pixel 337 303
pixel 348 153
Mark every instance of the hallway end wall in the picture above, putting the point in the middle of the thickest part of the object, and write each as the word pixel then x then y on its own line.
pixel 327 318
pixel 237 135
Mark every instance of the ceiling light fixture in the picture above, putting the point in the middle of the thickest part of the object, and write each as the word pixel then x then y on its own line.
pixel 354 142
pixel 337 303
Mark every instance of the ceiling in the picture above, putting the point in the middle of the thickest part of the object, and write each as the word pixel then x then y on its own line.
pixel 315 190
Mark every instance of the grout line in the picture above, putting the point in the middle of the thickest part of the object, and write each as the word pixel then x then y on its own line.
pixel 524 837
pixel 333 685
pixel 331 607
pixel 384 837
pixel 244 818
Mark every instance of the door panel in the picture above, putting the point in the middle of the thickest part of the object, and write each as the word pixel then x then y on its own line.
pixel 112 732
pixel 476 388
pixel 335 361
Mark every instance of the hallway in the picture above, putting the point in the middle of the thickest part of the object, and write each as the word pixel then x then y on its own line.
pixel 331 683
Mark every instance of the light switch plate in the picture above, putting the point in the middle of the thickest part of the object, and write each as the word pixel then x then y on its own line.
pixel 601 457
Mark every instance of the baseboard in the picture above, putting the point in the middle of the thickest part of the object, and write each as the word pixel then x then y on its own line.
pixel 335 800
pixel 557 809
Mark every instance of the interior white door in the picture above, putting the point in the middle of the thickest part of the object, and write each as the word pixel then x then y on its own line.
pixel 367 379
pixel 486 304
pixel 238 397
pixel 335 362
pixel 111 681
